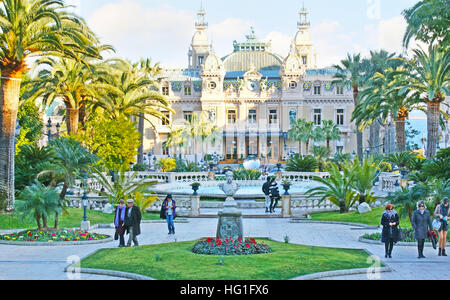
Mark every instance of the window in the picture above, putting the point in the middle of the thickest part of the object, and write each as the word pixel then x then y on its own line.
pixel 165 91
pixel 165 149
pixel 187 90
pixel 339 90
pixel 188 116
pixel 305 59
pixel 200 60
pixel 292 117
pixel 340 117
pixel 165 122
pixel 273 116
pixel 212 85
pixel 293 85
pixel 317 117
pixel 232 116
pixel 317 90
pixel 252 116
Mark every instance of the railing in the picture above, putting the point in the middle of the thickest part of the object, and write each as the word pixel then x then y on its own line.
pixel 389 182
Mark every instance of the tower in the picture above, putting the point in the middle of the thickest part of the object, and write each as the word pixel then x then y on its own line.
pixel 303 42
pixel 200 46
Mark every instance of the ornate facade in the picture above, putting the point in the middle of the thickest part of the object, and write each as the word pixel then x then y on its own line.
pixel 253 95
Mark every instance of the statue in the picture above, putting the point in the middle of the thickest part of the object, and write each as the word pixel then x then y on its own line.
pixel 229 187
pixel 230 219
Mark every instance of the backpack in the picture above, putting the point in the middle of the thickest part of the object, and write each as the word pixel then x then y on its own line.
pixel 162 213
pixel 265 188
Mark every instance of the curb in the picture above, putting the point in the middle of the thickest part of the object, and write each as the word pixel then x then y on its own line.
pixel 132 276
pixel 404 244
pixel 336 223
pixel 341 273
pixel 57 244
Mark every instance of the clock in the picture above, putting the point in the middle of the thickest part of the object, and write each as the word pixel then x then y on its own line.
pixel 252 85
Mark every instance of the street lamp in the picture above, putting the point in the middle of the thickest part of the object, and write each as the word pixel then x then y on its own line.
pixel 85 224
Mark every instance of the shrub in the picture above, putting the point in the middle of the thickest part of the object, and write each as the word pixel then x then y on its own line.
pixel 230 246
pixel 140 168
pixel 166 164
pixel 183 166
pixel 299 164
pixel 244 174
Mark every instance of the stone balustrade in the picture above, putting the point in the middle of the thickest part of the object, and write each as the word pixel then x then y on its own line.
pixel 389 182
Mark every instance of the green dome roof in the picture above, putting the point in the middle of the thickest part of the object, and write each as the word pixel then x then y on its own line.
pixel 242 61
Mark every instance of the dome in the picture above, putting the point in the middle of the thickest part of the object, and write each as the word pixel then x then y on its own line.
pixel 243 61
pixel 213 63
pixel 200 38
pixel 303 37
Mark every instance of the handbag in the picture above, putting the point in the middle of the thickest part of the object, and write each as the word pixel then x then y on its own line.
pixel 437 224
pixel 400 234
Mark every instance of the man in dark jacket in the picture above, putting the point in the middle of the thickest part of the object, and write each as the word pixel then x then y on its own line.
pixel 274 193
pixel 266 191
pixel 133 222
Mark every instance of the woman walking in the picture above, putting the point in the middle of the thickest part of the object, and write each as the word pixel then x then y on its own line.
pixel 390 221
pixel 119 223
pixel 169 207
pixel 443 213
pixel 421 223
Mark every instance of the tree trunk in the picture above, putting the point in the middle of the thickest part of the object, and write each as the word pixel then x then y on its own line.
pixel 374 139
pixel 9 102
pixel 433 112
pixel 72 120
pixel 307 148
pixel 62 196
pixel 44 222
pixel 38 220
pixel 400 134
pixel 140 159
pixel 300 148
pixel 342 208
pixel 359 134
pixel 328 144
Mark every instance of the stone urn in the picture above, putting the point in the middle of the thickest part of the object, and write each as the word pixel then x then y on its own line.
pixel 286 187
pixel 195 186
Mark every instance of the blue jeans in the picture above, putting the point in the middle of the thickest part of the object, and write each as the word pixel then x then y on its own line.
pixel 169 219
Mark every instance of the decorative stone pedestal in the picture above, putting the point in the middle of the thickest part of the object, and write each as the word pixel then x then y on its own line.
pixel 286 206
pixel 85 225
pixel 195 206
pixel 230 221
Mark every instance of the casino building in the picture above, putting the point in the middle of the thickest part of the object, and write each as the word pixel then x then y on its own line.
pixel 253 95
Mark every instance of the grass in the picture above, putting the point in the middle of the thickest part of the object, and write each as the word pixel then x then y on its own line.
pixel 175 261
pixel 71 220
pixel 370 218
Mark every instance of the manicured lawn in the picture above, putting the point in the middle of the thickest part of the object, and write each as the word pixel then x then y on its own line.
pixel 370 218
pixel 179 263
pixel 73 219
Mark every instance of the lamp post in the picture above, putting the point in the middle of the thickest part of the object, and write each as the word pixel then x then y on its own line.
pixel 51 135
pixel 85 224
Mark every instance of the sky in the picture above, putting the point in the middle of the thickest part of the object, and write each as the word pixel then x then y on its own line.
pixel 163 30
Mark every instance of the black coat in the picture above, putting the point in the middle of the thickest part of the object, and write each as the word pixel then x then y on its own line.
pixel 390 232
pixel 121 229
pixel 134 220
pixel 421 224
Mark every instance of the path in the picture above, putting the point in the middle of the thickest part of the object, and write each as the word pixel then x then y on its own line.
pixel 19 262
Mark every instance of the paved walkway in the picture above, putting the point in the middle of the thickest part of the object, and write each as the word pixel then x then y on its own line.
pixel 19 262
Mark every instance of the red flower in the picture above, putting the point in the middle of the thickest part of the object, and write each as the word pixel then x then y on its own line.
pixel 209 240
pixel 253 241
pixel 30 234
pixel 247 245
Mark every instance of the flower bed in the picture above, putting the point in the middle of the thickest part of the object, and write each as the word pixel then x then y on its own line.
pixel 69 235
pixel 211 246
pixel 407 232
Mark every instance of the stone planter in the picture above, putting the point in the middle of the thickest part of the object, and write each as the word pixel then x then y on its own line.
pixel 286 188
pixel 195 188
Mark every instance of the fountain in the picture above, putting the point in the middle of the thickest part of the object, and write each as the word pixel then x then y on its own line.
pixel 230 219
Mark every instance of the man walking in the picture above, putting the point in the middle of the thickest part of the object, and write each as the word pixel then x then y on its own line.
pixel 133 222
pixel 274 193
pixel 266 191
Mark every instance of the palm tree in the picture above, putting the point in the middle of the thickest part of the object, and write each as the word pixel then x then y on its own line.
pixel 365 175
pixel 39 201
pixel 72 161
pixel 352 71
pixel 175 139
pixel 125 187
pixel 31 28
pixel 337 188
pixel 127 92
pixel 331 132
pixel 428 81
pixel 296 133
pixel 384 98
